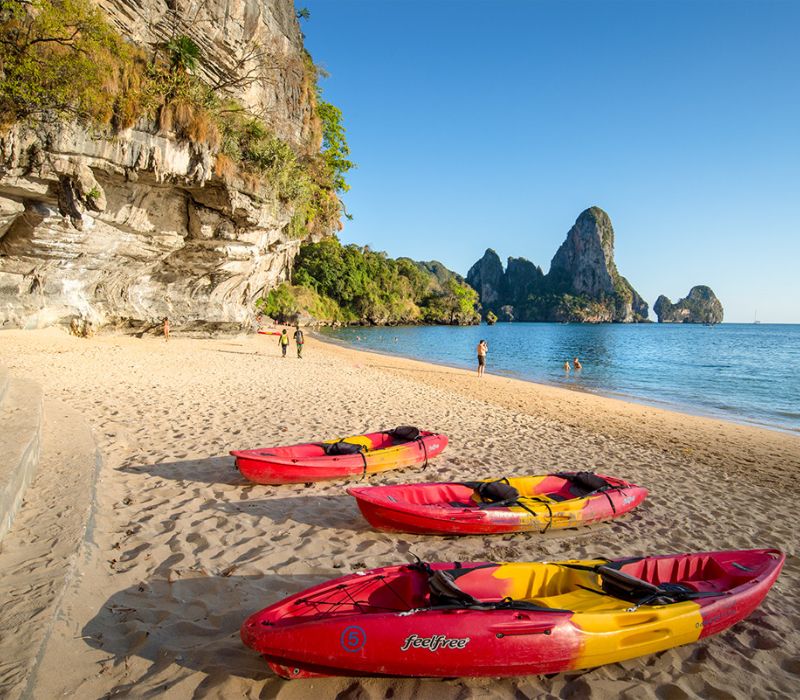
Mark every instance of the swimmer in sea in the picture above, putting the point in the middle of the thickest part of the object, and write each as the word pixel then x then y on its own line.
pixel 576 363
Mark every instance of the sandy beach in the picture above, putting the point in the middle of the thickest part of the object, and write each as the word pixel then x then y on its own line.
pixel 179 548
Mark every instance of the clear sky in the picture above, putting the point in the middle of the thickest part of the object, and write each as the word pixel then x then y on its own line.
pixel 494 123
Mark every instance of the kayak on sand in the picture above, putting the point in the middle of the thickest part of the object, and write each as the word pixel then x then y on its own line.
pixel 517 504
pixel 357 455
pixel 470 619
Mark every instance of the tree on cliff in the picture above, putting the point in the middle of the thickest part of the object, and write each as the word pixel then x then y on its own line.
pixel 335 150
pixel 57 60
pixel 462 299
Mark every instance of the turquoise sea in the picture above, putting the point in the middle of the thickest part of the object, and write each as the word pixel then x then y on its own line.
pixel 742 372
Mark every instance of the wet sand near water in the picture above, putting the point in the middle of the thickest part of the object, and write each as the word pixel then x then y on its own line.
pixel 182 548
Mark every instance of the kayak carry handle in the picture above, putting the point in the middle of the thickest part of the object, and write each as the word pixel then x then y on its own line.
pixel 520 627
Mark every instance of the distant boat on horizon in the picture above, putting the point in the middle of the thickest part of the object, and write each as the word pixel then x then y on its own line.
pixel 755 317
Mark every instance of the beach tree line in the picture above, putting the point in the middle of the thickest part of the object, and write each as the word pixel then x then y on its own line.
pixel 334 283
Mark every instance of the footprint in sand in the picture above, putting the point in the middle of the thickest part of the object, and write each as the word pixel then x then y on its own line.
pixel 670 691
pixel 131 554
pixel 758 640
pixel 712 692
pixel 791 665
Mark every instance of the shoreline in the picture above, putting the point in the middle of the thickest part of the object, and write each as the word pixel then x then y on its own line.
pixel 183 549
pixel 681 409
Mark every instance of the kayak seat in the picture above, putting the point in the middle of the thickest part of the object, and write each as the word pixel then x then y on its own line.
pixel 445 591
pixel 557 497
pixel 342 447
pixel 494 491
pixel 404 433
pixel 622 585
pixel 584 483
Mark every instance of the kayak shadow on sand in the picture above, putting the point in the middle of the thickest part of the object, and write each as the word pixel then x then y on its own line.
pixel 339 512
pixel 211 470
pixel 342 513
pixel 184 618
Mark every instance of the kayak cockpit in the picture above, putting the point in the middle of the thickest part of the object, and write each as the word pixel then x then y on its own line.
pixel 352 444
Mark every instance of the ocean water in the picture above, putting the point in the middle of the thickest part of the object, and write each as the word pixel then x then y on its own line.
pixel 742 372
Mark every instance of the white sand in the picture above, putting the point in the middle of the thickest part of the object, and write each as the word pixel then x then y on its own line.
pixel 182 549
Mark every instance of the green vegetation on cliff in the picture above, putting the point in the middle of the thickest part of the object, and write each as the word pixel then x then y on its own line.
pixel 583 284
pixel 60 61
pixel 353 284
pixel 700 305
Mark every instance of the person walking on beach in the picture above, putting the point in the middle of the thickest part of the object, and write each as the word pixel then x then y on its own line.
pixel 298 338
pixel 576 363
pixel 283 341
pixel 483 348
pixel 166 329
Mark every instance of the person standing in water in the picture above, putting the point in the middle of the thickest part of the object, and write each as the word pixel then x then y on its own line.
pixel 566 367
pixel 283 341
pixel 299 340
pixel 576 363
pixel 483 348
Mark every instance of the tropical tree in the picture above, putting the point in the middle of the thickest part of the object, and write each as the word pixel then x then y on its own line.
pixel 184 53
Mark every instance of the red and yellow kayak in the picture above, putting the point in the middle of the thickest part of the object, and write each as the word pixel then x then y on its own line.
pixel 357 455
pixel 485 619
pixel 533 503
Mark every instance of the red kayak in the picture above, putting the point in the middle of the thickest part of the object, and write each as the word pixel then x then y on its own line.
pixel 484 619
pixel 357 455
pixel 518 504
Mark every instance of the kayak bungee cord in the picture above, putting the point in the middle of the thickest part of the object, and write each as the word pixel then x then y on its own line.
pixel 351 592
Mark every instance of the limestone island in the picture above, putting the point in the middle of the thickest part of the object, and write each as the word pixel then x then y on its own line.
pixel 583 284
pixel 700 305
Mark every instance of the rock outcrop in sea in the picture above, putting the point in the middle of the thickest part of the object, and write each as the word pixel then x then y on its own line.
pixel 139 224
pixel 583 283
pixel 700 305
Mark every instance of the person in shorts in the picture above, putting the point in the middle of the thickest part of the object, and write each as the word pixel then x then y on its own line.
pixel 299 340
pixel 483 348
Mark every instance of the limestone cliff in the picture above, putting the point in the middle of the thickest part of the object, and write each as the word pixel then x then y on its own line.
pixel 582 285
pixel 139 224
pixel 699 306
pixel 584 263
pixel 584 267
pixel 522 280
pixel 486 278
pixel 253 48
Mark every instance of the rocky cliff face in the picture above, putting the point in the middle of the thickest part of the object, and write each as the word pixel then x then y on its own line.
pixel 522 280
pixel 699 306
pixel 486 278
pixel 584 267
pixel 584 263
pixel 254 48
pixel 138 226
pixel 583 283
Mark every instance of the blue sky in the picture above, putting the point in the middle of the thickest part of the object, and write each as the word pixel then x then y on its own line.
pixel 492 123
